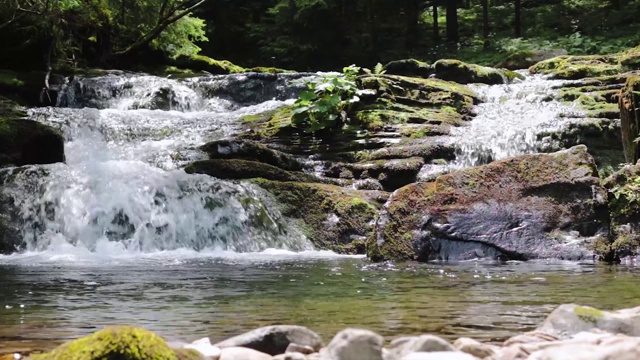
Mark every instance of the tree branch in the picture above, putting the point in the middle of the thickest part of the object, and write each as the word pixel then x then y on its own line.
pixel 158 29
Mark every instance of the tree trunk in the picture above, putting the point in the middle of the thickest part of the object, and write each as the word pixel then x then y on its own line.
pixel 412 14
pixel 436 28
pixel 453 36
pixel 517 23
pixel 485 22
pixel 630 118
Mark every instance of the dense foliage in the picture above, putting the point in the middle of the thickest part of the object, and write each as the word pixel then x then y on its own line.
pixel 307 34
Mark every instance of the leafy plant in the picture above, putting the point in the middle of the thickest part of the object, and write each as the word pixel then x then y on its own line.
pixel 627 194
pixel 327 101
pixel 377 70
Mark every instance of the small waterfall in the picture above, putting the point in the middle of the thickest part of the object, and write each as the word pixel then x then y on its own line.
pixel 509 120
pixel 127 137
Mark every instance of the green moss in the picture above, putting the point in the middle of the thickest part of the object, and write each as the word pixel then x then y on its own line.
pixel 114 343
pixel 267 124
pixel 409 67
pixel 270 70
pixel 237 169
pixel 588 314
pixel 330 216
pixel 205 63
pixel 578 67
pixel 461 72
pixel 9 78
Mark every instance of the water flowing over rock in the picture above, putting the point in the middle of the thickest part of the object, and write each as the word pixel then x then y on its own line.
pixel 122 189
pixel 532 206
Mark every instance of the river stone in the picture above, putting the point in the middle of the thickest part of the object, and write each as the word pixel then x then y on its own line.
pixel 290 356
pixel 303 349
pixel 475 348
pixel 424 343
pixel 409 67
pixel 354 344
pixel 525 207
pixel 623 350
pixel 570 319
pixel 251 150
pixel 275 339
pixel 625 213
pixel 530 338
pixel 439 355
pixel 463 73
pixel 237 169
pixel 242 353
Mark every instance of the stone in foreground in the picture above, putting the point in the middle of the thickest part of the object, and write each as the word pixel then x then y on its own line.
pixel 354 344
pixel 425 343
pixel 526 207
pixel 274 340
pixel 571 319
pixel 242 353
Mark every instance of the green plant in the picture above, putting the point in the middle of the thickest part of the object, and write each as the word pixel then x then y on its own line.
pixel 327 101
pixel 377 70
pixel 627 193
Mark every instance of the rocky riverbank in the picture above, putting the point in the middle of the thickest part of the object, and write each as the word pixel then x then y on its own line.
pixel 569 332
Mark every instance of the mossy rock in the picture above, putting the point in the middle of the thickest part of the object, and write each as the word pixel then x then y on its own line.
pixel 117 343
pixel 269 70
pixel 332 217
pixel 624 209
pixel 515 208
pixel 463 73
pixel 251 150
pixel 523 59
pixel 409 67
pixel 205 63
pixel 268 124
pixel 25 142
pixel 630 118
pixel 236 169
pixel 578 67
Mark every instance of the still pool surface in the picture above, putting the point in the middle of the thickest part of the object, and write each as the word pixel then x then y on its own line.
pixel 45 300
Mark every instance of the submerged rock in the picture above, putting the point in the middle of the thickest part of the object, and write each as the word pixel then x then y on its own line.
pixel 26 142
pixel 273 340
pixel 332 217
pixel 526 207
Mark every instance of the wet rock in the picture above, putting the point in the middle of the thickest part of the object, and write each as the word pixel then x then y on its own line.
pixel 463 73
pixel 571 319
pixel 235 169
pixel 475 348
pixel 332 217
pixel 250 150
pixel 630 118
pixel 526 207
pixel 303 349
pixel 117 342
pixel 425 343
pixel 243 353
pixel 354 344
pixel 409 67
pixel 578 67
pixel 392 174
pixel 439 355
pixel 25 142
pixel 290 356
pixel 274 339
pixel 204 63
pixel 626 350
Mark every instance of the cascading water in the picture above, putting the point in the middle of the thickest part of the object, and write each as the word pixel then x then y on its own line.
pixel 122 189
pixel 509 120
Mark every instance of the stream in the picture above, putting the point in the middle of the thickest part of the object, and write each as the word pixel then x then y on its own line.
pixel 120 234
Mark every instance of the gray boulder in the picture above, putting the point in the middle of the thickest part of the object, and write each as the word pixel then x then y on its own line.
pixel 354 344
pixel 426 343
pixel 570 319
pixel 275 339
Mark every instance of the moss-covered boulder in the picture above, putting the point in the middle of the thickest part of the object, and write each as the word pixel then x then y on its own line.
pixel 332 217
pixel 409 67
pixel 578 67
pixel 118 343
pixel 629 101
pixel 205 63
pixel 463 73
pixel 24 142
pixel 531 206
pixel 624 208
pixel 523 59
pixel 236 169
pixel 251 150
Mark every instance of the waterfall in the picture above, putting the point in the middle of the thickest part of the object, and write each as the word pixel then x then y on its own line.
pixel 122 187
pixel 509 120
